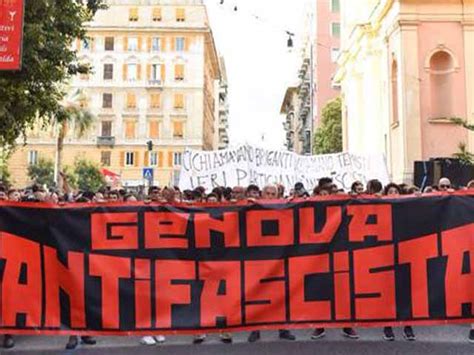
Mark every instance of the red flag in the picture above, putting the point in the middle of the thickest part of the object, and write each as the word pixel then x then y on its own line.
pixel 11 34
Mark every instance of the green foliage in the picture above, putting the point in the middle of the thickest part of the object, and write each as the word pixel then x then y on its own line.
pixel 328 137
pixel 88 176
pixel 5 177
pixel 42 173
pixel 464 155
pixel 48 62
pixel 462 122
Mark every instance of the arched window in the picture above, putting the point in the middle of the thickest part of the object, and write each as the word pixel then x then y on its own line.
pixel 394 89
pixel 441 84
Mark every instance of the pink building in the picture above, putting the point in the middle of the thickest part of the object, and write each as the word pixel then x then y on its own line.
pixel 326 51
pixel 406 70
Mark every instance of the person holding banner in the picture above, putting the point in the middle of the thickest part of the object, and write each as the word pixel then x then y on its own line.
pixel 269 192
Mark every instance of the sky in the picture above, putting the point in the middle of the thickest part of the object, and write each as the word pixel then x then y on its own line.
pixel 259 65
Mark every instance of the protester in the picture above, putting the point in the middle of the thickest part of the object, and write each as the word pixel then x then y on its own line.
pixel 173 195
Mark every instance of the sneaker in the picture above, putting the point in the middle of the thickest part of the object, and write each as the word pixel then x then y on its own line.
pixel 471 336
pixel 88 340
pixel 388 334
pixel 318 333
pixel 72 342
pixel 160 339
pixel 148 340
pixel 409 334
pixel 226 338
pixel 254 336
pixel 286 335
pixel 8 341
pixel 350 333
pixel 199 339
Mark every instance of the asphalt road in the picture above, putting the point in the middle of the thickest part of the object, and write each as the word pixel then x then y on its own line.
pixel 430 341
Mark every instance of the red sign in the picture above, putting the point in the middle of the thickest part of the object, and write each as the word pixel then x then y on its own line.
pixel 11 33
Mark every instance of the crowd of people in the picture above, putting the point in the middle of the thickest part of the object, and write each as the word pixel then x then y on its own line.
pixel 251 194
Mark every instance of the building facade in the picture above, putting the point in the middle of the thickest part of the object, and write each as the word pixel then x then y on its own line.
pixel 406 69
pixel 326 51
pixel 155 69
pixel 291 124
pixel 223 107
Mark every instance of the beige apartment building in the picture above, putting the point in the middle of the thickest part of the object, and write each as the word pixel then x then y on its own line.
pixel 155 78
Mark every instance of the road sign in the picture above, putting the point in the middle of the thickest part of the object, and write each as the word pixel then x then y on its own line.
pixel 148 174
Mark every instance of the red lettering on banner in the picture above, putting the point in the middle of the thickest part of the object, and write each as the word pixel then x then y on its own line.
pixel 71 280
pixel 416 252
pixel 307 225
pixel 299 268
pixel 123 230
pixel 227 304
pixel 264 292
pixel 20 297
pixel 168 294
pixel 459 287
pixel 375 290
pixel 282 219
pixel 166 230
pixel 342 287
pixel 229 227
pixel 142 293
pixel 110 269
pixel 359 229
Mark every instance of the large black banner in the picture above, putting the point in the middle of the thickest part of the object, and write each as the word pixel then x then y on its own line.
pixel 149 269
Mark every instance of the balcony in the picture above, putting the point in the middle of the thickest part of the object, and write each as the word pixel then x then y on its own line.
pixel 155 83
pixel 105 141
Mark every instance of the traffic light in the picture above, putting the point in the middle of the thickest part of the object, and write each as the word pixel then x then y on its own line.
pixel 149 144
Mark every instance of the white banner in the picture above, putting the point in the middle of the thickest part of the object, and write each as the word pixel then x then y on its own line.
pixel 245 165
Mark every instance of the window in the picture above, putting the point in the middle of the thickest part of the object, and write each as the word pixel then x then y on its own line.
pixel 108 71
pixel 177 159
pixel 153 129
pixel 153 159
pixel 179 72
pixel 132 72
pixel 335 5
pixel 334 54
pixel 33 157
pixel 155 101
pixel 132 44
pixel 178 130
pixel 180 15
pixel 86 44
pixel 106 129
pixel 180 44
pixel 106 100
pixel 156 44
pixel 105 158
pixel 157 14
pixel 129 159
pixel 133 14
pixel 109 43
pixel 131 100
pixel 336 29
pixel 394 92
pixel 155 72
pixel 179 101
pixel 130 129
pixel 442 69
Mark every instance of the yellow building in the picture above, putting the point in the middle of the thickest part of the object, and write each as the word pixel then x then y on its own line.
pixel 155 74
pixel 406 68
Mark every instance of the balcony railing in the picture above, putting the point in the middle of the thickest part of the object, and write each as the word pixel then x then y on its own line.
pixel 106 141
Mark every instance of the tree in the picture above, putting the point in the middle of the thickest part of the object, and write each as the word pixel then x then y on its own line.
pixel 88 175
pixel 463 155
pixel 69 113
pixel 42 173
pixel 5 177
pixel 328 137
pixel 48 62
